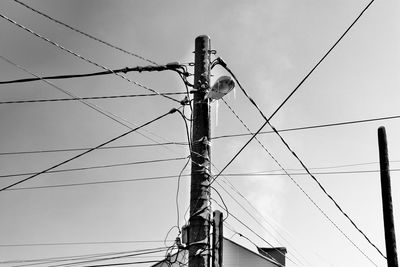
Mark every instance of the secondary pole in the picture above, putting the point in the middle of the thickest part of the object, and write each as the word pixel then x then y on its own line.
pixel 199 221
pixel 390 237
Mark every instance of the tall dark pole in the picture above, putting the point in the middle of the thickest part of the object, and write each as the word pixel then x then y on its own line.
pixel 390 237
pixel 199 221
pixel 217 240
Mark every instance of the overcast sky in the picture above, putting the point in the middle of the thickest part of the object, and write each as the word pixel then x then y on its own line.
pixel 270 46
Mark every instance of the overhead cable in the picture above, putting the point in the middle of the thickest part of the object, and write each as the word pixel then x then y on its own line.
pixel 95 107
pixel 85 98
pixel 87 151
pixel 97 167
pixel 294 90
pixel 213 138
pixel 267 121
pixel 85 34
pixel 81 243
pixel 171 66
pixel 312 127
pixel 287 174
pixel 144 252
pixel 83 58
pixel 85 148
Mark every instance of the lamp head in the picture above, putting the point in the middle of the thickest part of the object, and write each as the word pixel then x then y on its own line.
pixel 221 87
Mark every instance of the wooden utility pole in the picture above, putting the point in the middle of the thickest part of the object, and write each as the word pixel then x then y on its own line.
pixel 199 221
pixel 218 239
pixel 390 237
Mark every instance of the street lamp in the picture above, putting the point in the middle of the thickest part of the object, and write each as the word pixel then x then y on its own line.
pixel 221 87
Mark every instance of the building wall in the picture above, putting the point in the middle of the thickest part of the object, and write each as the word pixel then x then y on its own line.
pixel 234 255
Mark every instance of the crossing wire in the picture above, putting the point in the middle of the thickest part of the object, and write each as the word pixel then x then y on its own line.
pixel 82 57
pixel 85 34
pixel 267 121
pixel 95 107
pixel 184 143
pixel 97 167
pixel 87 151
pixel 153 178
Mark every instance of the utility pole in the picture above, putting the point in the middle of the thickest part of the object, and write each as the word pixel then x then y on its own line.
pixel 199 221
pixel 390 237
pixel 218 239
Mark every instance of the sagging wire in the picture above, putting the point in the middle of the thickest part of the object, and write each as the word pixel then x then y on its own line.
pixel 95 107
pixel 82 57
pixel 174 66
pixel 85 34
pixel 90 150
pixel 267 120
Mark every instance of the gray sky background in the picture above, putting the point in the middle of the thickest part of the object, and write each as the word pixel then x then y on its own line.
pixel 270 46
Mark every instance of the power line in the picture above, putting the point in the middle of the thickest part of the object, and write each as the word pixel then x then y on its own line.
pixel 222 63
pixel 251 230
pixel 88 151
pixel 285 173
pixel 99 182
pixel 213 138
pixel 262 216
pixel 187 175
pixel 171 66
pixel 85 34
pixel 81 149
pixel 312 127
pixel 123 263
pixel 82 243
pixel 97 167
pixel 267 121
pixel 91 105
pixel 85 98
pixel 145 252
pixel 83 58
pixel 74 258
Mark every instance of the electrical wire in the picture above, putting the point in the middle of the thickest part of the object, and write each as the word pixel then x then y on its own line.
pixel 154 178
pixel 87 151
pixel 294 90
pixel 213 138
pixel 144 252
pixel 311 127
pixel 308 172
pixel 81 243
pixel 122 263
pixel 33 262
pixel 108 114
pixel 296 183
pixel 84 58
pixel 267 120
pixel 91 105
pixel 259 236
pixel 255 219
pixel 328 195
pixel 172 66
pixel 266 150
pixel 97 167
pixel 85 34
pixel 86 148
pixel 84 98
